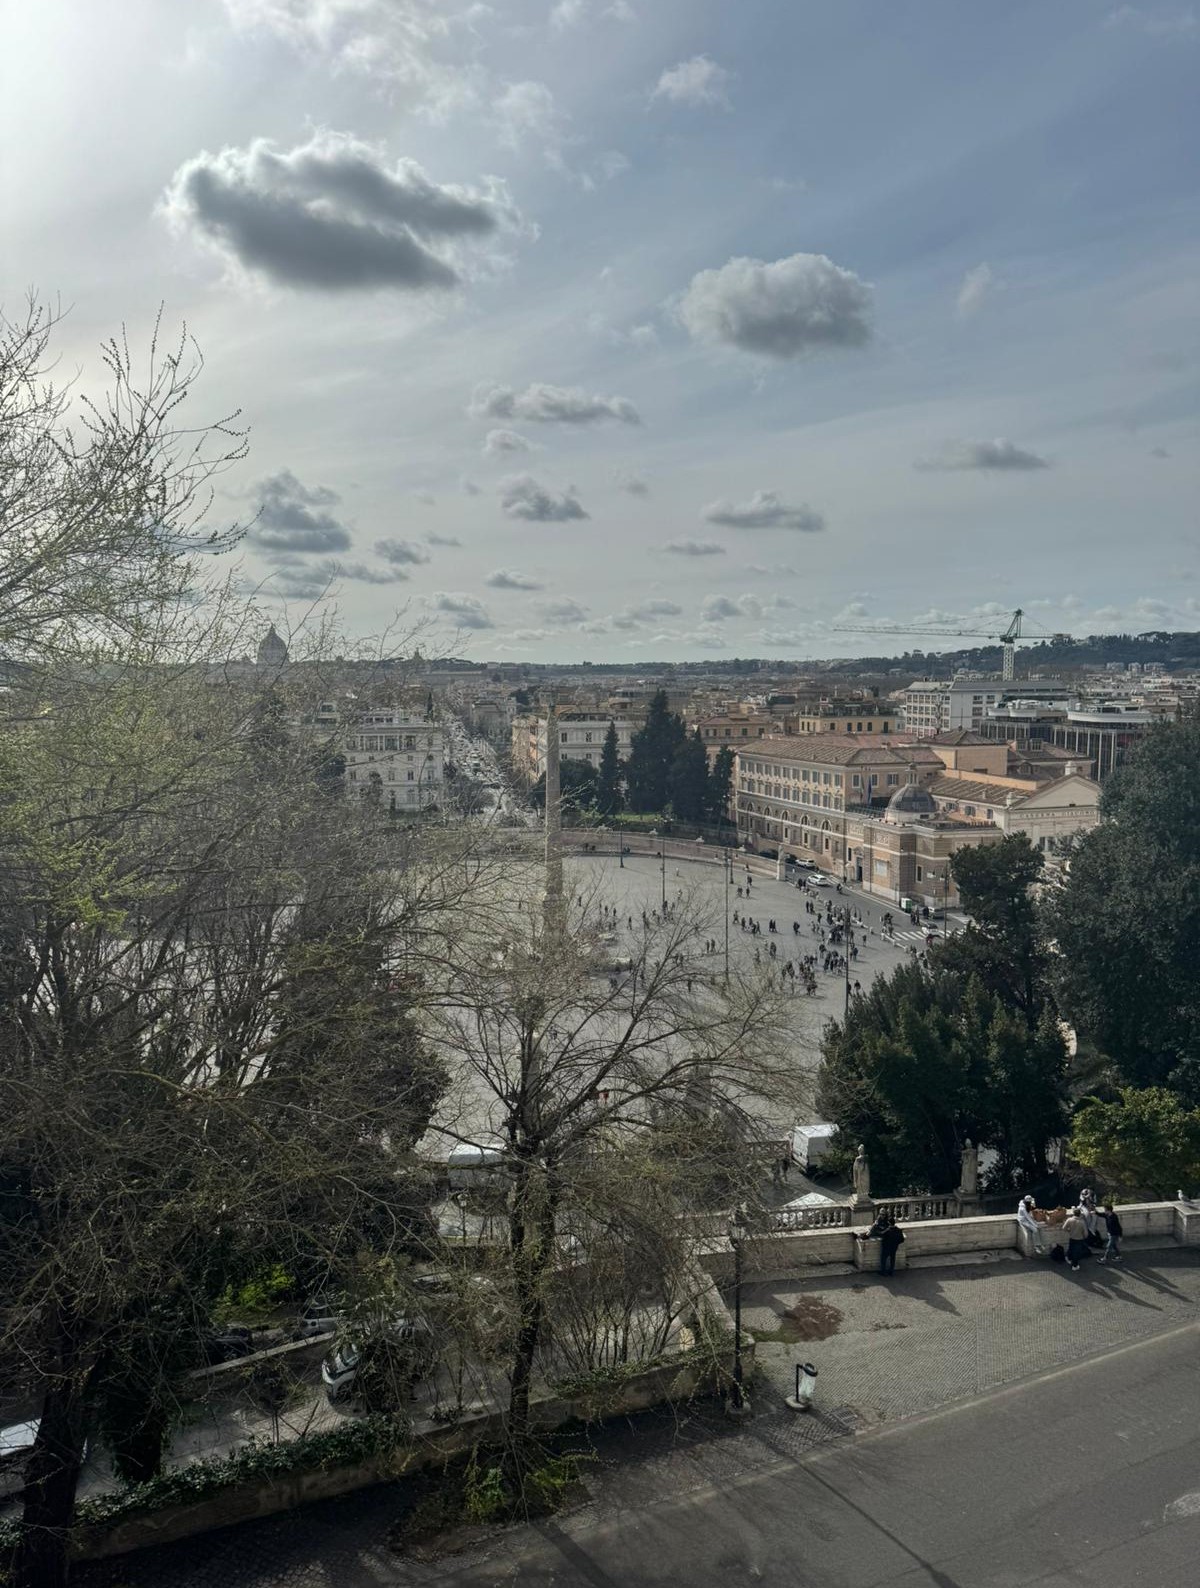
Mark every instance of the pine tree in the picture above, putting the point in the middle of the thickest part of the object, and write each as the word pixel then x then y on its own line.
pixel 609 798
pixel 650 755
pixel 687 780
pixel 720 786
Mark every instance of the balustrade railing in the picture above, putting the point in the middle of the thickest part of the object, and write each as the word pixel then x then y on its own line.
pixel 909 1209
pixel 788 1220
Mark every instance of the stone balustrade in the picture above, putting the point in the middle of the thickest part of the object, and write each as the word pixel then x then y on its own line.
pixel 907 1210
pixel 838 1216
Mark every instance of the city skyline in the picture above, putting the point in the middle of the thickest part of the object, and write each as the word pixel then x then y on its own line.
pixel 607 330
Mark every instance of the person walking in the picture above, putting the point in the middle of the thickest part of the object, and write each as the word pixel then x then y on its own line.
pixel 1112 1222
pixel 1027 1222
pixel 1075 1229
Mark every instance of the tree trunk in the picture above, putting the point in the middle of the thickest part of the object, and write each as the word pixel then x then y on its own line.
pixel 52 1476
pixel 531 1233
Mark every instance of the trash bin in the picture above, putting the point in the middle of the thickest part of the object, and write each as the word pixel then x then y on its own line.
pixel 806 1387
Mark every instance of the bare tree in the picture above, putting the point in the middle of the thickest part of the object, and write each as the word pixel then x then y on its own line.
pixel 586 1073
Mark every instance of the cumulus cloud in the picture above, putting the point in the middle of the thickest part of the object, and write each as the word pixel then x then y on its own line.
pixel 466 610
pixel 294 517
pixel 331 215
pixel 399 552
pixel 645 612
pixel 521 496
pixel 561 612
pixel 544 405
pixel 498 443
pixel 434 539
pixel 697 83
pixel 1159 452
pixel 764 510
pixel 528 110
pixel 632 484
pixel 976 286
pixel 510 579
pixel 997 454
pixel 716 608
pixel 790 307
pixel 469 489
pixel 694 548
pixel 308 581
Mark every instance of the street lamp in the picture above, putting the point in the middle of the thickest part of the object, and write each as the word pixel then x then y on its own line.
pixel 662 850
pixel 737 1234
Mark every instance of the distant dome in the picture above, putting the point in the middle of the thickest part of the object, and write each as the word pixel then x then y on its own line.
pixel 272 652
pixel 910 804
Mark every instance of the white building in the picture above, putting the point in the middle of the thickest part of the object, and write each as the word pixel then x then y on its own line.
pixel 580 736
pixel 938 705
pixel 397 757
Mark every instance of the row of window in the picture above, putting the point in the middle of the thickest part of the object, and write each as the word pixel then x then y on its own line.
pixel 389 741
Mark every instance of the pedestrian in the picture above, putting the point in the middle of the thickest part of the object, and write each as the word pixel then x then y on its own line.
pixel 890 1237
pixel 1075 1229
pixel 1027 1222
pixel 1112 1222
pixel 1091 1216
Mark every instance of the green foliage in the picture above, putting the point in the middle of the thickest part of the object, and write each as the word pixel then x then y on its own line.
pixel 354 1441
pixel 687 781
pixel 577 784
pixel 484 1495
pixel 1002 948
pixel 609 798
pixel 925 1060
pixel 256 1298
pixel 720 786
pixel 1126 923
pixel 651 753
pixel 1147 1142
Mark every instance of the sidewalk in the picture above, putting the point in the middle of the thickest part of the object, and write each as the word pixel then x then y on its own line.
pixel 888 1348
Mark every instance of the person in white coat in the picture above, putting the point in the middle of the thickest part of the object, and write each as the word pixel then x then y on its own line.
pixel 1027 1221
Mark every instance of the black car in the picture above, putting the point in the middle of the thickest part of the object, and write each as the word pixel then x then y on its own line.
pixel 228 1345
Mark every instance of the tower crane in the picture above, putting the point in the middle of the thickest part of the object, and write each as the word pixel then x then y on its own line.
pixel 1007 639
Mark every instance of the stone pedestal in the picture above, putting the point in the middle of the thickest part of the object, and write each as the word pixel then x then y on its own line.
pixel 862 1213
pixel 866 1257
pixel 968 1207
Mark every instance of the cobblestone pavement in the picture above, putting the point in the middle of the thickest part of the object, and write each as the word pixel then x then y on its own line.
pixel 901 1347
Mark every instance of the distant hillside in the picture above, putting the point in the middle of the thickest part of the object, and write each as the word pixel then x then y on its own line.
pixel 1061 655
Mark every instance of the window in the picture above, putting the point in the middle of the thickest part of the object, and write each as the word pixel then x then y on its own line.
pixel 587 738
pixel 892 779
pixel 411 775
pixel 919 874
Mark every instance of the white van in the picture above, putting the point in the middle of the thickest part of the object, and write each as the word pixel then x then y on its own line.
pixel 810 1143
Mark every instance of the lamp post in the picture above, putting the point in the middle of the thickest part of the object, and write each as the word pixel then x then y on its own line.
pixel 662 850
pixel 737 1234
pixel 728 884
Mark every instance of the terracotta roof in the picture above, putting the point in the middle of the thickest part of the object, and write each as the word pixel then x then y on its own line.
pixel 959 736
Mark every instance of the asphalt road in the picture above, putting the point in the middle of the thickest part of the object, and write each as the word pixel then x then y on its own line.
pixel 1089 1474
pixel 1085 1476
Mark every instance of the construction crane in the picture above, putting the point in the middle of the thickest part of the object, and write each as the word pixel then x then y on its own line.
pixel 1008 639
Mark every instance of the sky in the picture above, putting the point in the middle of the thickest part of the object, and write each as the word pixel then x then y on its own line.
pixel 608 329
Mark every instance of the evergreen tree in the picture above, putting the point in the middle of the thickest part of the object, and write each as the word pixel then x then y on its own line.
pixel 687 780
pixel 577 785
pixel 1126 921
pixel 1002 947
pixel 650 755
pixel 609 798
pixel 720 786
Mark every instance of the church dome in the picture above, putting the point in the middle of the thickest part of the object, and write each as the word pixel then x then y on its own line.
pixel 911 803
pixel 272 651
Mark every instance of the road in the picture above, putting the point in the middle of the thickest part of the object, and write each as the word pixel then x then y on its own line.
pixel 1082 1475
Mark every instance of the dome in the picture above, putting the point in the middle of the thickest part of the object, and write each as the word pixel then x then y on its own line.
pixel 910 803
pixel 272 651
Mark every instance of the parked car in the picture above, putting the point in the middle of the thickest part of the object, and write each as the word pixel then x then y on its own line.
pixel 227 1345
pixel 16 1446
pixel 819 881
pixel 341 1368
pixel 810 1143
pixel 321 1315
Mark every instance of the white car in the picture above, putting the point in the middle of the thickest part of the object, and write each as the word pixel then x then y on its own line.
pixel 819 882
pixel 340 1368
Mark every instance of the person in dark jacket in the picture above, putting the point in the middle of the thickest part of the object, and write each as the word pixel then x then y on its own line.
pixel 1112 1251
pixel 890 1237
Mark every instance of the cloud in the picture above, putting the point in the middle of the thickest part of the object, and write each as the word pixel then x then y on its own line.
pixel 786 309
pixel 497 443
pixel 697 83
pixel 1159 452
pixel 571 13
pixel 997 454
pixel 1157 24
pixel 977 285
pixel 469 488
pixel 528 110
pixel 632 484
pixel 560 612
pixel 716 608
pixel 509 579
pixel 426 498
pixel 408 47
pixel 645 612
pixel 467 611
pixel 400 551
pixel 330 215
pixel 521 496
pixel 309 581
pixel 694 548
pixel 764 510
pixel 434 539
pixel 295 518
pixel 544 405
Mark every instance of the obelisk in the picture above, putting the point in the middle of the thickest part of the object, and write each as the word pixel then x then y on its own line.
pixel 553 907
